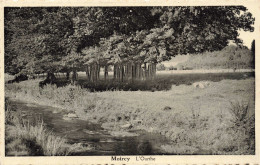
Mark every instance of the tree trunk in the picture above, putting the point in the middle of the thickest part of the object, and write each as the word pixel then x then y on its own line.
pixel 95 72
pixel 149 71
pixel 154 70
pixel 105 72
pixel 145 71
pixel 118 73
pixel 129 68
pixel 98 71
pixel 139 71
pixel 74 77
pixel 115 69
pixel 126 71
pixel 67 75
pixel 122 72
pixel 88 73
pixel 51 77
pixel 132 72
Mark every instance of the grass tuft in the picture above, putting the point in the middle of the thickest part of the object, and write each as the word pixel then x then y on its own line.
pixel 239 111
pixel 25 138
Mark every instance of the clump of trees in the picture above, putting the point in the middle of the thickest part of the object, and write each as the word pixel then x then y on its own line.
pixel 133 40
pixel 230 57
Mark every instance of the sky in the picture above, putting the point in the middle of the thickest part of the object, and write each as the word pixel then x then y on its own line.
pixel 247 38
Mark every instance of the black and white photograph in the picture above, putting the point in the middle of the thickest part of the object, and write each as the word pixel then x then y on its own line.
pixel 124 81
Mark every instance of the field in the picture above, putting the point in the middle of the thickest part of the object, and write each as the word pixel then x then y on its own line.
pixel 216 118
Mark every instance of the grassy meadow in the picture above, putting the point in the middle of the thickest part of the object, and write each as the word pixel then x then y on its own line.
pixel 217 119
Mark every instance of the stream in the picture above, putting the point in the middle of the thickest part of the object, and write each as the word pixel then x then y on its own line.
pixel 92 135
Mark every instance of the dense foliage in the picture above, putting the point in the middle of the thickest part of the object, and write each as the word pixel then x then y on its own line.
pixel 132 39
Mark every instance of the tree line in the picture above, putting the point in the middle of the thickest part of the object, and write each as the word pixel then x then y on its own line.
pixel 131 39
pixel 230 57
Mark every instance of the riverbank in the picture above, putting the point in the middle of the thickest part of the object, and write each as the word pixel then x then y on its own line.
pixel 197 120
pixel 27 138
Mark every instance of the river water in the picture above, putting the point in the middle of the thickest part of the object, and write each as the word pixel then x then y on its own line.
pixel 92 135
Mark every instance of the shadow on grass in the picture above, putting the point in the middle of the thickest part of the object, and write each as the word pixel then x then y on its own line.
pixel 160 83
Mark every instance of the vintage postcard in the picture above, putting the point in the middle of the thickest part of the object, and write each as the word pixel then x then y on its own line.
pixel 129 82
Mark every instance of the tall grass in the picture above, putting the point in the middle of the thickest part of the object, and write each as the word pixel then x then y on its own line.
pixel 239 111
pixel 36 138
pixel 243 124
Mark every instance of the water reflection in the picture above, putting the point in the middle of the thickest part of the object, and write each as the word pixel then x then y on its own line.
pixel 134 147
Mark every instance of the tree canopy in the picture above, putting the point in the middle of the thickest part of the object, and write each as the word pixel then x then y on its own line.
pixel 64 39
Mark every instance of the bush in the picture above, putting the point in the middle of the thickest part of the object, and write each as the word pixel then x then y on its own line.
pixel 160 67
pixel 172 68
